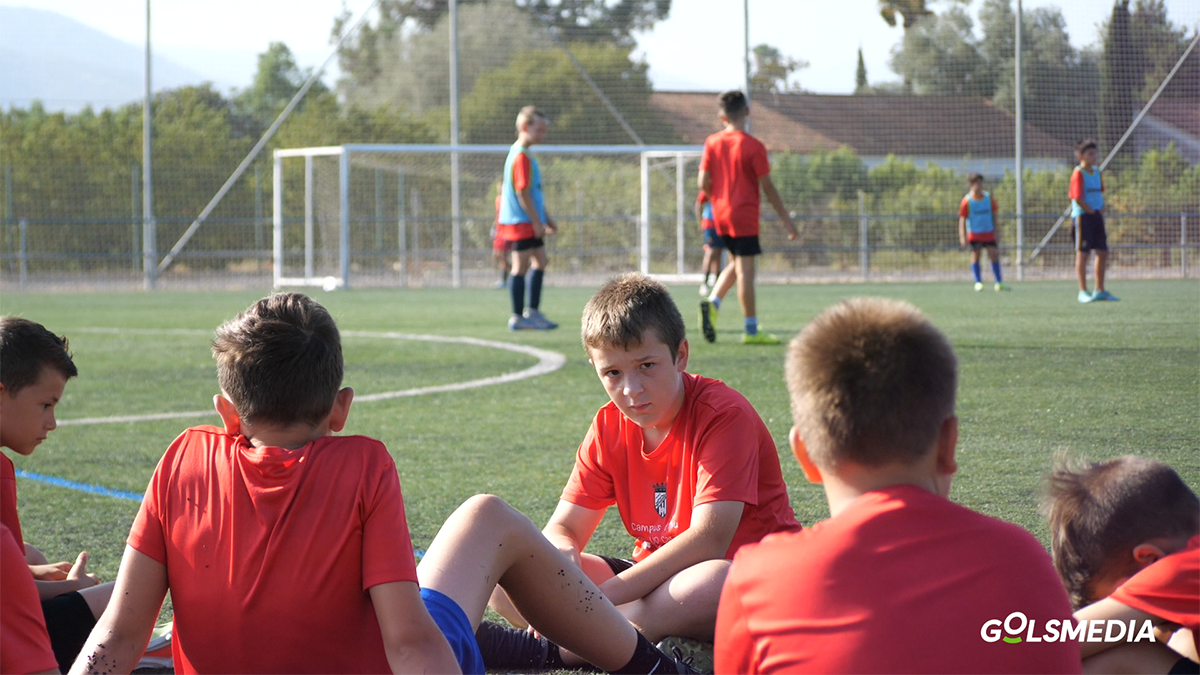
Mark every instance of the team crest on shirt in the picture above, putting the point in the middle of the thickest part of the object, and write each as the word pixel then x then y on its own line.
pixel 660 499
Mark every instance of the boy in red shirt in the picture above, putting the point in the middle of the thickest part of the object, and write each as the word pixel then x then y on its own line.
pixel 1125 534
pixel 688 462
pixel 899 578
pixel 24 643
pixel 732 170
pixel 286 549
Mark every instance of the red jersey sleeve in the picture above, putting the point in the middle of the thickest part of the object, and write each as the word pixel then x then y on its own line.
pixel 706 155
pixel 590 484
pixel 732 642
pixel 1076 190
pixel 702 197
pixel 24 642
pixel 759 162
pixel 727 461
pixel 147 536
pixel 387 544
pixel 995 206
pixel 964 209
pixel 8 499
pixel 1168 589
pixel 522 171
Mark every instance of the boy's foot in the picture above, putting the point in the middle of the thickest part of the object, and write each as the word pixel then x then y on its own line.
pixel 1084 296
pixel 759 338
pixel 539 320
pixel 694 653
pixel 704 290
pixel 520 323
pixel 1104 295
pixel 708 320
pixel 1002 287
pixel 978 286
pixel 500 285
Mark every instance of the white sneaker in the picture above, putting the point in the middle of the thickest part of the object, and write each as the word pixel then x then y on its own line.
pixel 538 321
pixel 704 290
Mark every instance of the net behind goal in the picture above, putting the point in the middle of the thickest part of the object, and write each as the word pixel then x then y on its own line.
pixel 373 215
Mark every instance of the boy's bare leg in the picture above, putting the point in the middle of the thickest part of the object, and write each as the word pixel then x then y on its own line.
pixel 538 259
pixel 486 542
pixel 1081 269
pixel 520 262
pixel 745 284
pixel 1101 269
pixel 685 605
pixel 975 256
pixel 97 597
pixel 726 279
pixel 1132 657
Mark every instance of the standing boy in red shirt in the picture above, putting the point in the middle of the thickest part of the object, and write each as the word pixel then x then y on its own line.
pixel 688 462
pixel 899 578
pixel 1125 534
pixel 732 170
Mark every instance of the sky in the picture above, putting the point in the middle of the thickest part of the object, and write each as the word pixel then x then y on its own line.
pixel 699 47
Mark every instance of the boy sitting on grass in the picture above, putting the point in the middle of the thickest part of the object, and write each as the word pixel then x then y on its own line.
pixel 35 365
pixel 286 549
pixel 899 578
pixel 688 462
pixel 1125 535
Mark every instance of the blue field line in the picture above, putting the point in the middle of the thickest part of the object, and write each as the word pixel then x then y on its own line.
pixel 82 487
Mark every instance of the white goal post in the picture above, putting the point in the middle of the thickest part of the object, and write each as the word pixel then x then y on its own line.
pixel 333 186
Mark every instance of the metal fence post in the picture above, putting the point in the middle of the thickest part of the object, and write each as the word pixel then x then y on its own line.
pixel 864 252
pixel 24 256
pixel 1183 245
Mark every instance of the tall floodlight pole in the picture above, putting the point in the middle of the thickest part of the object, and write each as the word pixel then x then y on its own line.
pixel 149 255
pixel 455 188
pixel 1020 150
pixel 746 52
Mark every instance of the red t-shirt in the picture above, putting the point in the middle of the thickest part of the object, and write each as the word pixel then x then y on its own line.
pixel 902 581
pixel 8 500
pixel 718 449
pixel 735 161
pixel 270 552
pixel 24 642
pixel 1168 589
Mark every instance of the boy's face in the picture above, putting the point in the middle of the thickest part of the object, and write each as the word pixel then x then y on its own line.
pixel 977 187
pixel 536 130
pixel 27 417
pixel 1089 156
pixel 644 381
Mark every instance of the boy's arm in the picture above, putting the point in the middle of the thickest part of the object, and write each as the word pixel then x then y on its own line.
pixel 51 582
pixel 708 538
pixel 525 196
pixel 768 187
pixel 1107 609
pixel 962 231
pixel 120 636
pixel 699 213
pixel 571 527
pixel 413 642
pixel 704 181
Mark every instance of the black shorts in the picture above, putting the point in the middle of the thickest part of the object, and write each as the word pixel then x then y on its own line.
pixel 976 245
pixel 528 244
pixel 617 565
pixel 1184 666
pixel 69 621
pixel 742 245
pixel 1089 233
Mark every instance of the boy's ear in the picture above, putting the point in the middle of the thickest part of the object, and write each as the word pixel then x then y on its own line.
pixel 947 441
pixel 681 356
pixel 1146 554
pixel 341 409
pixel 229 414
pixel 811 472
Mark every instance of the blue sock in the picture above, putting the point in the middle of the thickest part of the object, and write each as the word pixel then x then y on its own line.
pixel 996 270
pixel 516 287
pixel 976 272
pixel 716 302
pixel 535 288
pixel 752 325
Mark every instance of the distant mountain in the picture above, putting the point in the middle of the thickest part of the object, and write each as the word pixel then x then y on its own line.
pixel 68 65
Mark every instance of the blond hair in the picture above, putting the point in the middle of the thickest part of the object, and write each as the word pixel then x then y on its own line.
pixel 871 382
pixel 621 312
pixel 527 115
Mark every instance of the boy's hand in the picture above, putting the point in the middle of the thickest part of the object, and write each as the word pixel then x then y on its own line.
pixel 551 227
pixel 50 572
pixel 79 574
pixel 962 241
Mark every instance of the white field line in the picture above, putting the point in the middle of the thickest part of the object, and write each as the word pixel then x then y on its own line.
pixel 548 362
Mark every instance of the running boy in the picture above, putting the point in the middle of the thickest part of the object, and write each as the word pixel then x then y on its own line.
pixel 713 245
pixel 35 365
pixel 977 229
pixel 688 462
pixel 733 169
pixel 1125 534
pixel 1087 216
pixel 524 222
pixel 899 579
pixel 285 548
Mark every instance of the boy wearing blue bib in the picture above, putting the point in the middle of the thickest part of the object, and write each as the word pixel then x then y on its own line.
pixel 1087 218
pixel 977 228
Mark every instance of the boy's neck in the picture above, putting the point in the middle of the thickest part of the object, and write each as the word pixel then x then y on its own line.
pixel 736 125
pixel 977 193
pixel 850 481
pixel 290 437
pixel 525 141
pixel 1086 165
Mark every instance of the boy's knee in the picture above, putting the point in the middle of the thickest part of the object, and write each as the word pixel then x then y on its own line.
pixel 487 511
pixel 702 579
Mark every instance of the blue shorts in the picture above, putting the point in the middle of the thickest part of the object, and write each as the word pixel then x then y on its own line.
pixel 712 239
pixel 453 623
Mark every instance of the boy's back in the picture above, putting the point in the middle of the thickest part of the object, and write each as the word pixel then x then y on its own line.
pixel 901 581
pixel 270 552
pixel 736 161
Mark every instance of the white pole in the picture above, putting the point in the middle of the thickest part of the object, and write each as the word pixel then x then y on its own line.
pixel 277 221
pixel 455 188
pixel 308 218
pixel 344 216
pixel 746 53
pixel 679 219
pixel 864 232
pixel 149 243
pixel 1020 152
pixel 644 234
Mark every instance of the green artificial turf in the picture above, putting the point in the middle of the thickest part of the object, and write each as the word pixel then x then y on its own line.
pixel 1040 374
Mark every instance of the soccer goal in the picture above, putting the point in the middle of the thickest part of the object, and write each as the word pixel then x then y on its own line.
pixel 423 215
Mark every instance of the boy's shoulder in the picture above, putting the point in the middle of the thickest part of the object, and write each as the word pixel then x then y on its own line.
pixel 708 395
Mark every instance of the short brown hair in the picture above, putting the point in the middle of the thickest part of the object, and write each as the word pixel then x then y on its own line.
pixel 973 177
pixel 280 361
pixel 621 312
pixel 26 348
pixel 527 115
pixel 1098 512
pixel 1085 145
pixel 871 382
pixel 732 104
